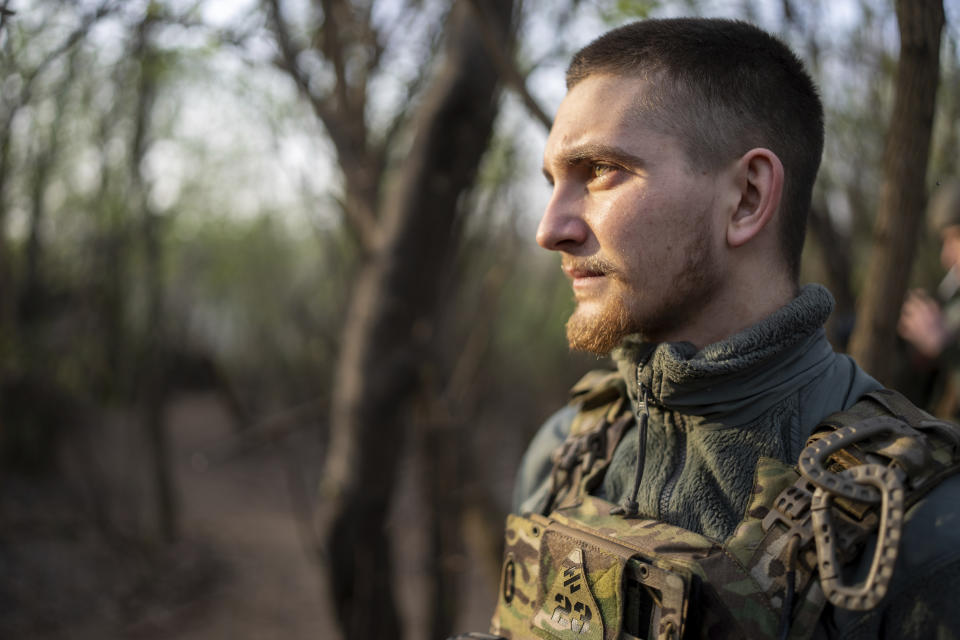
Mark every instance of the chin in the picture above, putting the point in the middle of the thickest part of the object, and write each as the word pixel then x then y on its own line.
pixel 597 331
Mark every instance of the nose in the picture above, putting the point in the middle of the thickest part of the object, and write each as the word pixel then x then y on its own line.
pixel 562 227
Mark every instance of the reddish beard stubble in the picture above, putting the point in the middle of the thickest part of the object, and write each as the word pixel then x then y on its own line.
pixel 625 312
pixel 601 332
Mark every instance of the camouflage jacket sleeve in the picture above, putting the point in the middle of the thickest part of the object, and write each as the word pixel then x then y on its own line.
pixel 924 601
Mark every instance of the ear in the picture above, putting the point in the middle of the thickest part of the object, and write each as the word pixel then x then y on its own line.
pixel 759 177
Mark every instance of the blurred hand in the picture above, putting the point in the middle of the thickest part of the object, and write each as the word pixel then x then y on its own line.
pixel 922 324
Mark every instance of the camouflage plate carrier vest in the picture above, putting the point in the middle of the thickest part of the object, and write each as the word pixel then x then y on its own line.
pixel 582 573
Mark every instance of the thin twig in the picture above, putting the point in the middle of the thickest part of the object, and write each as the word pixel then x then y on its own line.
pixel 360 218
pixel 511 75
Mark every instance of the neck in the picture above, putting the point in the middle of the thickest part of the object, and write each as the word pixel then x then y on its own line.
pixel 738 304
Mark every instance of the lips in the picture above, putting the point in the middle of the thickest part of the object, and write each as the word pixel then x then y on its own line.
pixel 586 275
pixel 585 269
pixel 576 273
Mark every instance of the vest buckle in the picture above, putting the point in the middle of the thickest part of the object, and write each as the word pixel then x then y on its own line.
pixel 792 510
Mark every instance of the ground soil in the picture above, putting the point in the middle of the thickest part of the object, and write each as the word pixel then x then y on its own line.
pixel 243 567
pixel 241 506
pixel 239 569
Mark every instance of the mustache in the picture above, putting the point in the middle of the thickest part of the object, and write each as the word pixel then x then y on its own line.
pixel 594 265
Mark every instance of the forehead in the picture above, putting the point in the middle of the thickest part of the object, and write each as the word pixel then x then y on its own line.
pixel 601 110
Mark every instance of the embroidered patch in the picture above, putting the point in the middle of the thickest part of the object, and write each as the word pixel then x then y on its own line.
pixel 569 609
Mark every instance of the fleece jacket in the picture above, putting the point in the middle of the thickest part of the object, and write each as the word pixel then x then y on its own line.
pixel 713 413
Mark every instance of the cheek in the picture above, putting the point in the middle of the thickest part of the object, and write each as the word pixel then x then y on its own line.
pixel 617 222
pixel 646 228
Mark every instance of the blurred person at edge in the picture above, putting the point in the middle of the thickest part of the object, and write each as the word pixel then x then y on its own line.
pixel 931 324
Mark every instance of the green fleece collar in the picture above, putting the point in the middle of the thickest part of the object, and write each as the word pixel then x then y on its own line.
pixel 744 374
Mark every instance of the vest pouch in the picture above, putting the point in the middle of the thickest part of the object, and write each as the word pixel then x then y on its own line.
pixel 562 583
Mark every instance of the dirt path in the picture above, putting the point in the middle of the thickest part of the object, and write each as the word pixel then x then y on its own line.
pixel 241 507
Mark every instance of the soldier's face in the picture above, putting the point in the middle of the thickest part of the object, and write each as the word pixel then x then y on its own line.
pixel 634 222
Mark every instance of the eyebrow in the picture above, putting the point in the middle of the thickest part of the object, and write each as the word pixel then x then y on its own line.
pixel 596 152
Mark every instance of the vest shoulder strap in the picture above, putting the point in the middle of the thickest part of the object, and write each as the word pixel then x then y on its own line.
pixel 603 415
pixel 600 394
pixel 861 470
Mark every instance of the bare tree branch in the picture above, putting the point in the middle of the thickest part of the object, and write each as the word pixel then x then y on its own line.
pixel 332 48
pixel 289 63
pixel 29 77
pixel 560 46
pixel 374 39
pixel 342 128
pixel 494 42
pixel 412 88
pixel 5 13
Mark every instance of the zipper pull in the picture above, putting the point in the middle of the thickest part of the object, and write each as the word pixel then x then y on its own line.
pixel 630 507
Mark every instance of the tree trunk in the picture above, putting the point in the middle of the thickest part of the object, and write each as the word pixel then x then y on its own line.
pixel 34 287
pixel 835 251
pixel 442 460
pixel 902 201
pixel 389 324
pixel 9 293
pixel 152 379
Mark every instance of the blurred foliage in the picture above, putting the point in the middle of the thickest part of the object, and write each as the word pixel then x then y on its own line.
pixel 622 10
pixel 263 291
pixel 262 298
pixel 256 266
pixel 243 199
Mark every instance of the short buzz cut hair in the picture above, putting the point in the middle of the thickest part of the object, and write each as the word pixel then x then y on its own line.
pixel 722 87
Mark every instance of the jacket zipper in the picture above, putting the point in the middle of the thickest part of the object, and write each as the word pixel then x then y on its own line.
pixel 671 483
pixel 629 507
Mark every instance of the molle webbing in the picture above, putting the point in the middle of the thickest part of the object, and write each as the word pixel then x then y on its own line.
pixel 604 415
pixel 861 470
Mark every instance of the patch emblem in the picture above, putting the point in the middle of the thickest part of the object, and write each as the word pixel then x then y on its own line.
pixel 569 609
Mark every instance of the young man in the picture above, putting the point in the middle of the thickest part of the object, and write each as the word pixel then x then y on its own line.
pixel 664 501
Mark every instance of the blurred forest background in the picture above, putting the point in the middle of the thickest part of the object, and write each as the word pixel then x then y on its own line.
pixel 273 328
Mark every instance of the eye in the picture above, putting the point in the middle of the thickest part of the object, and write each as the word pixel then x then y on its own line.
pixel 600 170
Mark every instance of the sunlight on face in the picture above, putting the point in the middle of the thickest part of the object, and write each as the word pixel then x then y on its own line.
pixel 630 217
